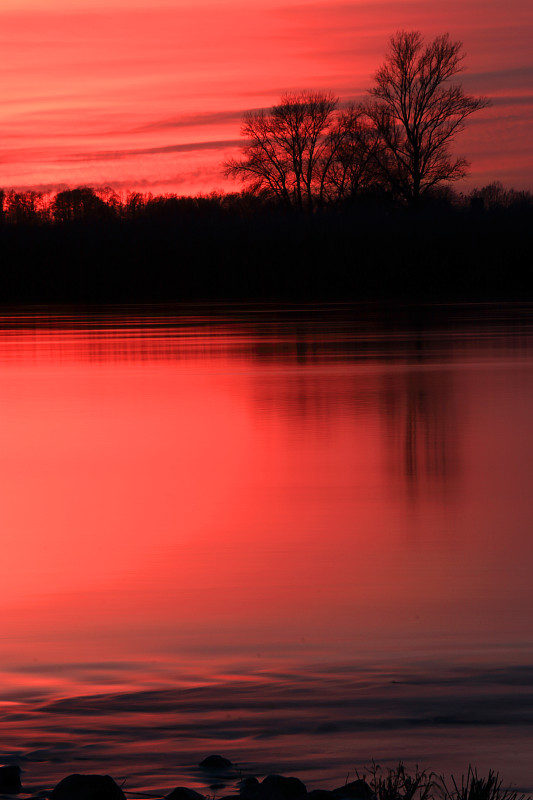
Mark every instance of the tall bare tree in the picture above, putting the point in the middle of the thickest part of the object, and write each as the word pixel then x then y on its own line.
pixel 287 150
pixel 417 113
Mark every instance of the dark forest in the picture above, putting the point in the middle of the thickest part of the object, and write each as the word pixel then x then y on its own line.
pixel 88 246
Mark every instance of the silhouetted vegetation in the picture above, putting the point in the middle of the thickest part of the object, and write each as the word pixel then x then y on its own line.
pixel 306 152
pixel 397 783
pixel 94 246
pixel 416 113
pixel 476 787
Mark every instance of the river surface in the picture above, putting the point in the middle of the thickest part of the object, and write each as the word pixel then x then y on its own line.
pixel 298 537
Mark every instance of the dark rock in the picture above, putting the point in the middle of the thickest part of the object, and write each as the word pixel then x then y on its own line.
pixel 277 787
pixel 87 787
pixel 215 763
pixel 10 780
pixel 356 789
pixel 183 793
pixel 249 788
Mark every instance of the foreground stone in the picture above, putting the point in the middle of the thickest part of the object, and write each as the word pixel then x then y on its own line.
pixel 183 793
pixel 87 787
pixel 359 790
pixel 10 780
pixel 248 788
pixel 273 787
pixel 277 787
pixel 216 763
pixel 356 790
pixel 321 794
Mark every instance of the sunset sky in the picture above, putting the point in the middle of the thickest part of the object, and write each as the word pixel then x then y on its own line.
pixel 149 94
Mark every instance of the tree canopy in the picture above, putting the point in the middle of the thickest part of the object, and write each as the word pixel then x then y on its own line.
pixel 286 149
pixel 416 113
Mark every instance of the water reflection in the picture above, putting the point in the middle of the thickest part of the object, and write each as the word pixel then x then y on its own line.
pixel 290 335
pixel 421 420
pixel 208 505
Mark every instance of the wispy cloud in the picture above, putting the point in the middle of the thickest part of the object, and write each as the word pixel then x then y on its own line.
pixel 114 155
pixel 203 118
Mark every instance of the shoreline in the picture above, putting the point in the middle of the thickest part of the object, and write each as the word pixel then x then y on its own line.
pixel 374 783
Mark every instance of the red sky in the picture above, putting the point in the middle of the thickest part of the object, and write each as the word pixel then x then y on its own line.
pixel 149 94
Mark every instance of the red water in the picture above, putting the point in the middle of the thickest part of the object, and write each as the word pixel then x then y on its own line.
pixel 302 539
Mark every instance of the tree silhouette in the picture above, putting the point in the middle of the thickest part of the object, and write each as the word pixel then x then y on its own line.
pixel 417 113
pixel 351 166
pixel 23 207
pixel 287 152
pixel 79 204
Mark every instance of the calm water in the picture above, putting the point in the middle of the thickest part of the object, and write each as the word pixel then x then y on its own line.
pixel 301 538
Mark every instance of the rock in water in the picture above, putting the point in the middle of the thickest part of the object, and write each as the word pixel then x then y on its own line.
pixel 249 788
pixel 359 790
pixel 277 787
pixel 321 794
pixel 87 787
pixel 215 763
pixel 10 780
pixel 183 793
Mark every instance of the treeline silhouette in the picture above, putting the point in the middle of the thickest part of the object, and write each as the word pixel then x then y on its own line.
pixel 94 246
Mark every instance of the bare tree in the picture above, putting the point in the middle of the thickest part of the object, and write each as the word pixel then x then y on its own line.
pixel 287 151
pixel 352 158
pixel 417 113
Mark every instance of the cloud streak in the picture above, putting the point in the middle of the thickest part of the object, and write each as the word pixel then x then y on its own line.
pixel 200 119
pixel 189 147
